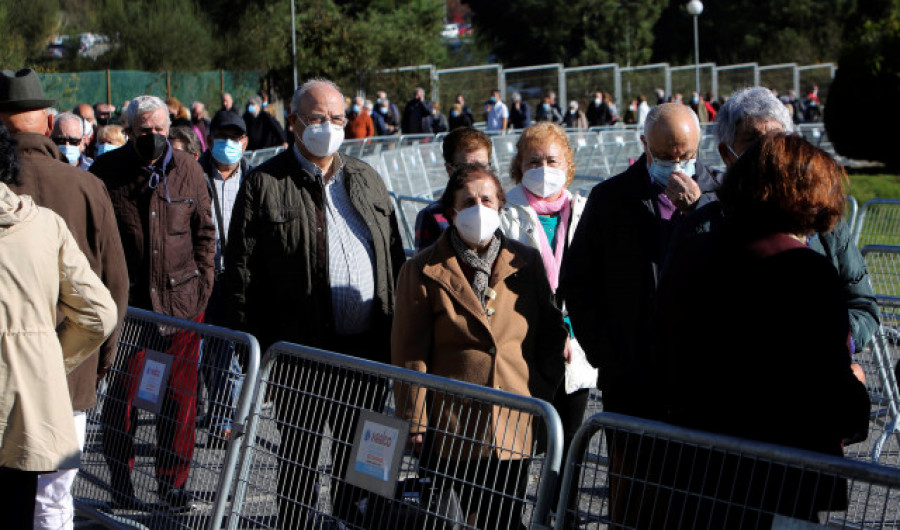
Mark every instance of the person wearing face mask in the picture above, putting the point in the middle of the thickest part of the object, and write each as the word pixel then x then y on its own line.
pixel 611 272
pixel 747 115
pixel 546 111
pixel 82 201
pixel 165 223
pixel 575 118
pixel 313 209
pixel 417 114
pixel 541 213
pixel 68 135
pixel 262 129
pixel 477 306
pixel 598 112
pixel 359 122
pixel 110 138
pixel 496 113
pixel 225 169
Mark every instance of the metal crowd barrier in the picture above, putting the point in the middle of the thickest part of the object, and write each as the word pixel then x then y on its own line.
pixel 143 436
pixel 409 208
pixel 878 223
pixel 327 426
pixel 663 476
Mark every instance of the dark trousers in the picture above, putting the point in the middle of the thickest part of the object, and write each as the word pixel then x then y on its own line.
pixel 175 430
pixel 17 491
pixel 571 409
pixel 490 490
pixel 308 397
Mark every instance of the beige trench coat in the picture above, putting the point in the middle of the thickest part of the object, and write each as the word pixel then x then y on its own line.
pixel 41 268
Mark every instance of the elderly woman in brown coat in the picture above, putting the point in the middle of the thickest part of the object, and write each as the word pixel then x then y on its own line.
pixel 477 307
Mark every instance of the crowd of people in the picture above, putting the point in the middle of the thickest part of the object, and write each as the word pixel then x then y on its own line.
pixel 677 290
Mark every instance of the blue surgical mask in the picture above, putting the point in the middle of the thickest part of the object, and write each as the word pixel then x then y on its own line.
pixel 227 151
pixel 251 109
pixel 72 152
pixel 695 100
pixel 265 104
pixel 105 148
pixel 661 170
pixel 493 99
pixel 382 110
pixel 355 108
pixel 454 113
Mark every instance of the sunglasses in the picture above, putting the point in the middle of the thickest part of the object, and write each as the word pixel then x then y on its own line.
pixel 63 140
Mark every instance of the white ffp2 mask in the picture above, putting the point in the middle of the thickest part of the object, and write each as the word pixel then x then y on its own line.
pixel 323 139
pixel 476 224
pixel 544 181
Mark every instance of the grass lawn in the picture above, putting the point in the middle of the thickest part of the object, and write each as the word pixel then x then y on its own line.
pixel 871 183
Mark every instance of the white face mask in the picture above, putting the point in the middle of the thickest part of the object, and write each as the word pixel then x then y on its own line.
pixel 324 139
pixel 476 224
pixel 544 181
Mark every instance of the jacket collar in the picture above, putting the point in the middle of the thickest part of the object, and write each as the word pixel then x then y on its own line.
pixel 38 144
pixel 443 267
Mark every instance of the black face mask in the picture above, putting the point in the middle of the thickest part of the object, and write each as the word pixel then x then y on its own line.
pixel 103 120
pixel 150 146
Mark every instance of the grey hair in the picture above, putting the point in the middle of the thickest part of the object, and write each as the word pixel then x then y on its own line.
pixel 144 105
pixel 746 107
pixel 63 117
pixel 306 87
pixel 254 100
pixel 665 109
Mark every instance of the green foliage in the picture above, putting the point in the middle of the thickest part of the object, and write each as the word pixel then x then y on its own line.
pixel 156 35
pixel 864 187
pixel 868 71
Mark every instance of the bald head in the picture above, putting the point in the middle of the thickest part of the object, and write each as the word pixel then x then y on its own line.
pixel 671 132
pixel 30 121
pixel 87 112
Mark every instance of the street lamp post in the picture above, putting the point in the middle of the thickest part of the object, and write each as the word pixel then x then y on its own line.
pixel 695 7
pixel 294 43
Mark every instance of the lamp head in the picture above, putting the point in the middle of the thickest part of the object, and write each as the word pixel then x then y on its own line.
pixel 695 7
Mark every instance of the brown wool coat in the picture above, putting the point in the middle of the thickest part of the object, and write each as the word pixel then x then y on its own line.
pixel 441 328
pixel 82 201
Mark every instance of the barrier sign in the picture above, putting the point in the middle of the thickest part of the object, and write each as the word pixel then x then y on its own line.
pixel 378 447
pixel 153 382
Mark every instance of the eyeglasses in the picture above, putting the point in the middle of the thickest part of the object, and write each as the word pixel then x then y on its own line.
pixel 63 140
pixel 319 119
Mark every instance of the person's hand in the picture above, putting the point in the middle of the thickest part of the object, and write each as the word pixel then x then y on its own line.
pixel 414 443
pixel 858 372
pixel 568 351
pixel 682 191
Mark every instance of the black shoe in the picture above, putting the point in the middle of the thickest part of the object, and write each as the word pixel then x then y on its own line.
pixel 178 499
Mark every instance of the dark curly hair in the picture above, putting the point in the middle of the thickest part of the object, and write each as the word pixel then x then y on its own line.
pixel 9 161
pixel 784 184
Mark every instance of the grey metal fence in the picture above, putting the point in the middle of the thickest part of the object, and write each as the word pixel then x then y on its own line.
pixel 332 429
pixel 878 223
pixel 655 475
pixel 147 461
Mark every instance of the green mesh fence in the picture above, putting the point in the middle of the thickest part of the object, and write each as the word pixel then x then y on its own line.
pixel 71 89
pixel 583 83
pixel 780 78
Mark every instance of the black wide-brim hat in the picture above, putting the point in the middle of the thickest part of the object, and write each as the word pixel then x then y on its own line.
pixel 21 91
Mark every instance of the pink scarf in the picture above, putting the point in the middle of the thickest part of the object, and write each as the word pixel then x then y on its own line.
pixel 562 205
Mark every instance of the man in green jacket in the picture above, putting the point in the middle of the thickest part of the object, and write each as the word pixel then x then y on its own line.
pixel 313 253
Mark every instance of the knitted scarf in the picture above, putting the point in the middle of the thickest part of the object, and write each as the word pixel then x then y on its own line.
pixel 552 258
pixel 481 263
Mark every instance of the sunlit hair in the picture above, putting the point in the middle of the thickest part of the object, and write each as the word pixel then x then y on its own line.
pixel 783 184
pixel 188 139
pixel 144 105
pixel 747 107
pixel 111 134
pixel 464 174
pixel 542 133
pixel 464 140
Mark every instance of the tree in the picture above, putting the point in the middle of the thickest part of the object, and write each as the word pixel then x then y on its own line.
pixel 860 101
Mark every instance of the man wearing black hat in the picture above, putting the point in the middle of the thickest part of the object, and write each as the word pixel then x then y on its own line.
pixel 81 200
pixel 225 170
pixel 165 221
